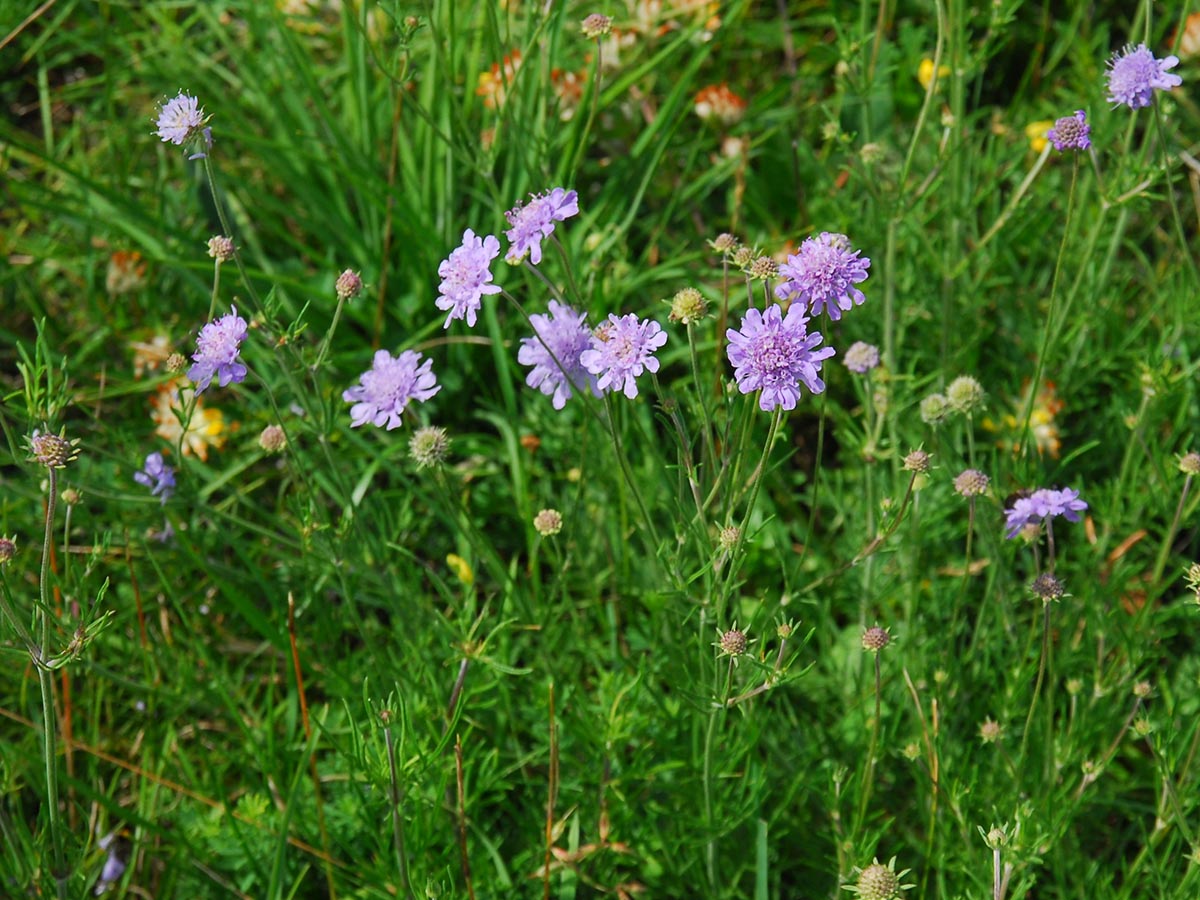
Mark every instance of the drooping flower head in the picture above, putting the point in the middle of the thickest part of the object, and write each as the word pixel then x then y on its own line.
pixel 1134 75
pixel 1071 132
pixel 217 349
pixel 157 476
pixel 823 273
pixel 535 220
pixel 560 336
pixel 775 354
pixel 622 348
pixel 388 386
pixel 466 277
pixel 1041 505
pixel 180 120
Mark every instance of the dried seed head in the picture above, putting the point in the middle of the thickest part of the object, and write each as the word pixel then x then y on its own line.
pixel 875 639
pixel 177 362
pixel 934 409
pixel 917 461
pixel 732 642
pixel 989 731
pixel 1047 587
pixel 763 268
pixel 548 522
pixel 742 256
pixel 971 483
pixel 724 243
pixel 272 439
pixel 687 306
pixel 428 446
pixel 728 538
pixel 348 285
pixel 1189 463
pixel 53 451
pixel 879 882
pixel 220 248
pixel 1141 690
pixel 965 394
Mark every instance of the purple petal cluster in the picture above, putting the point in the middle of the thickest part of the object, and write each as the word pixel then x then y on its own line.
pixel 535 221
pixel 554 352
pixel 823 273
pixel 1134 75
pixel 180 119
pixel 1041 505
pixel 621 349
pixel 1071 132
pixel 466 277
pixel 217 349
pixel 775 354
pixel 388 386
pixel 157 476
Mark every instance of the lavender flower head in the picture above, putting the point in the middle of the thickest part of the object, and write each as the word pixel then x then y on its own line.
pixel 535 220
pixel 861 358
pixel 388 386
pixel 157 476
pixel 180 120
pixel 776 354
pixel 1071 132
pixel 560 336
pixel 217 349
pixel 1134 75
pixel 621 349
pixel 466 277
pixel 823 273
pixel 1041 505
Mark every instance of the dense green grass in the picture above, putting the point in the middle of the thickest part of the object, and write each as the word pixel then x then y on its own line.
pixel 329 672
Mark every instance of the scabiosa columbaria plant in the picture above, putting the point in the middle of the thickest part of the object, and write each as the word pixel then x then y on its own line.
pixel 548 522
pixel 220 248
pixel 1041 505
pixel 217 352
pixel 970 483
pixel 273 439
pixel 965 395
pixel 775 354
pixel 348 285
pixel 861 358
pixel 466 277
pixel 429 446
pixel 596 26
pixel 622 349
pixel 1134 75
pixel 535 221
pixel 554 352
pixel 388 387
pixel 1071 132
pixel 879 882
pixel 181 120
pixel 53 451
pixel 823 273
pixel 688 306
pixel 157 476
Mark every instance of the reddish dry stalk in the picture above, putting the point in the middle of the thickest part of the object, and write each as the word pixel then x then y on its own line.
pixel 462 817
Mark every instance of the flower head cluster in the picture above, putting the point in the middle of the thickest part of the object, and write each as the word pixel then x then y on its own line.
pixel 535 220
pixel 429 446
pixel 348 285
pixel 861 358
pixel 879 882
pixel 776 354
pixel 1071 132
pixel 221 248
pixel 554 352
pixel 548 522
pixel 217 349
pixel 971 483
pixel 51 450
pixel 466 277
pixel 180 120
pixel 1134 75
pixel 388 386
pixel 1041 505
pixel 157 476
pixel 823 273
pixel 621 349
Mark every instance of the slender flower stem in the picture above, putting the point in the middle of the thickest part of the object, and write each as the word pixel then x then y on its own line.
pixel 1037 687
pixel 1178 220
pixel 337 314
pixel 216 289
pixel 46 681
pixel 1165 550
pixel 396 796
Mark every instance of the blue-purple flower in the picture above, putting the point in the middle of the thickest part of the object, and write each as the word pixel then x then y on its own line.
pixel 157 476
pixel 1041 505
pixel 1071 132
pixel 217 349
pixel 621 349
pixel 823 273
pixel 388 386
pixel 466 277
pixel 554 352
pixel 535 220
pixel 775 354
pixel 180 120
pixel 1134 75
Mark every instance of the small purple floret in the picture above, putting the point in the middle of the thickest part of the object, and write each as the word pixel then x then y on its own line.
pixel 1071 132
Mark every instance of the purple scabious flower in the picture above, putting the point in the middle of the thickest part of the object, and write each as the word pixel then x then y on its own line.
pixel 621 349
pixel 776 354
pixel 157 476
pixel 535 220
pixel 1071 132
pixel 560 336
pixel 386 388
pixel 466 277
pixel 180 120
pixel 823 273
pixel 1134 75
pixel 217 349
pixel 1043 504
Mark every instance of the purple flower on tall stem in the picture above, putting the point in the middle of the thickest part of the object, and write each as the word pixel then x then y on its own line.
pixel 554 352
pixel 217 349
pixel 180 120
pixel 157 476
pixel 823 273
pixel 1134 75
pixel 388 386
pixel 1071 132
pixel 466 277
pixel 776 354
pixel 621 349
pixel 1041 505
pixel 535 220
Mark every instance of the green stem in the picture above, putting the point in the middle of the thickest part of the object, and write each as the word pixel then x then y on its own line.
pixel 46 680
pixel 1179 232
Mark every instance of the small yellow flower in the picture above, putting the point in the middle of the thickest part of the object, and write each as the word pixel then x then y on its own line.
pixel 1036 132
pixel 925 73
pixel 461 568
